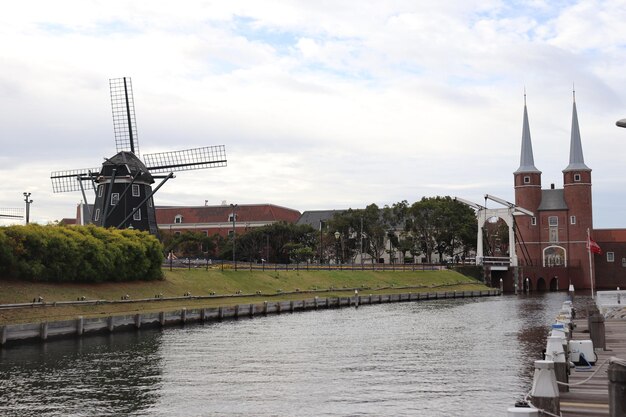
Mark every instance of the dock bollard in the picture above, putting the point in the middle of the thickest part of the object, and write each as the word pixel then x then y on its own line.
pixel 556 354
pixel 617 387
pixel 522 412
pixel 545 392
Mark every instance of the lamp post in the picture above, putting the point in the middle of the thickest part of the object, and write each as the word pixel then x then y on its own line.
pixel 321 240
pixel 28 202
pixel 337 235
pixel 234 217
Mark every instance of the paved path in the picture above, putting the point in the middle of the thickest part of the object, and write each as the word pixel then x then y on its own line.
pixel 592 397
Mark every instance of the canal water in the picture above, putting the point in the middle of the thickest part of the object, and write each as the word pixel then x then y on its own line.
pixel 463 357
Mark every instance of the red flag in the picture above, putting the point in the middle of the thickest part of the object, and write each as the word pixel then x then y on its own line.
pixel 593 246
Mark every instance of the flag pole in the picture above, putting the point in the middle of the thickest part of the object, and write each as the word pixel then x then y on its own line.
pixel 590 263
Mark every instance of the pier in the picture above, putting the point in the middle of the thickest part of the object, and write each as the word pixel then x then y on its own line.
pixel 583 372
pixel 592 397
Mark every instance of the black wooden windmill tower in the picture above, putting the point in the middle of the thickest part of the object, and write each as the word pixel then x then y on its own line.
pixel 123 186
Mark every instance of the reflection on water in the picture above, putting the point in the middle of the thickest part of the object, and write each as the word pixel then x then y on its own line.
pixel 100 375
pixel 435 358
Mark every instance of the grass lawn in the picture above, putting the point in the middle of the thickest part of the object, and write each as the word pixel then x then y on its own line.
pixel 200 282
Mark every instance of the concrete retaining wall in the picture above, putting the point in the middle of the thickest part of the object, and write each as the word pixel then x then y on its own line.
pixel 81 326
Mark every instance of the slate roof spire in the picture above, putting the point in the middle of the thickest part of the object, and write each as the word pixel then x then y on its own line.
pixel 527 161
pixel 576 160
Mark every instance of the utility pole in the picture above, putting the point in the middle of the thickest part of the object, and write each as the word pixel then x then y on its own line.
pixel 28 202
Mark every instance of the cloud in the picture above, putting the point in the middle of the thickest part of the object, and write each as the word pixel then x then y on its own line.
pixel 320 104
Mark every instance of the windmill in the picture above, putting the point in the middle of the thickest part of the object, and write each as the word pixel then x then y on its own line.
pixel 123 185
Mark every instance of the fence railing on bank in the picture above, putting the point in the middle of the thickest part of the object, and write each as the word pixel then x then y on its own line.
pixel 306 266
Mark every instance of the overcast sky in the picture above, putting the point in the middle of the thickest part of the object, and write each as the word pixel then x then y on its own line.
pixel 320 104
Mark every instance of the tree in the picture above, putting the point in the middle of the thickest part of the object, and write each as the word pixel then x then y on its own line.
pixel 442 224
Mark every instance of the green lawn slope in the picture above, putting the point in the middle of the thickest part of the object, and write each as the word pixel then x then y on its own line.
pixel 236 287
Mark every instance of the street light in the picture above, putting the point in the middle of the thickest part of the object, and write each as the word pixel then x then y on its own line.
pixel 337 235
pixel 234 207
pixel 28 203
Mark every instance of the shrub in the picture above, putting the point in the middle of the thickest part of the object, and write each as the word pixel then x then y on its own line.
pixel 78 253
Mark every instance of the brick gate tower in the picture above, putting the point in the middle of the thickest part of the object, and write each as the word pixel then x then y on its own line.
pixel 552 245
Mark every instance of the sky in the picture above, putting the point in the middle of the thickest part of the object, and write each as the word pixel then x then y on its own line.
pixel 320 105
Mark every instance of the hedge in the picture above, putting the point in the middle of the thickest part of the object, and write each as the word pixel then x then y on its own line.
pixel 78 254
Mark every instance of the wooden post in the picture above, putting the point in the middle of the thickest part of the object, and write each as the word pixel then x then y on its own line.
pixel 316 301
pixel 203 315
pixel 183 315
pixel 251 310
pixel 80 325
pixel 43 330
pixel 162 318
pixel 3 335
pixel 265 308
pixel 617 387
pixel 220 313
pixel 278 307
pixel 291 306
pixel 597 331
pixel 111 323
pixel 237 311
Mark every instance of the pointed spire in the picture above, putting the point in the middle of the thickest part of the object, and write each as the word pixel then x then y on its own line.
pixel 527 161
pixel 576 160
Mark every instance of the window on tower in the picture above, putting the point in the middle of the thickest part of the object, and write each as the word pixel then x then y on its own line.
pixel 135 190
pixel 115 198
pixel 533 221
pixel 577 177
pixel 553 223
pixel 96 216
pixel 100 190
pixel 572 219
pixel 610 256
pixel 526 180
pixel 137 215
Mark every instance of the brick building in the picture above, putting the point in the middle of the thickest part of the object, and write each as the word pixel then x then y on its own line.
pixel 219 219
pixel 552 248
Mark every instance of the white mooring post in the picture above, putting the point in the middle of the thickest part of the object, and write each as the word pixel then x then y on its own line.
pixel 556 354
pixel 545 391
pixel 522 412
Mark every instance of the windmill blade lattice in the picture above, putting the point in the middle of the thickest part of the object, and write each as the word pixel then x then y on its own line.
pixel 65 181
pixel 11 213
pixel 186 160
pixel 123 107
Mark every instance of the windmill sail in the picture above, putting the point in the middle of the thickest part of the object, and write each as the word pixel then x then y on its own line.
pixel 11 213
pixel 186 160
pixel 123 107
pixel 65 181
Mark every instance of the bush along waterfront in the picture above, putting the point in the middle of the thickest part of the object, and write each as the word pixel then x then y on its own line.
pixel 78 254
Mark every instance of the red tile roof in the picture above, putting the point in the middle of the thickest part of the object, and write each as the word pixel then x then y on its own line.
pixel 220 214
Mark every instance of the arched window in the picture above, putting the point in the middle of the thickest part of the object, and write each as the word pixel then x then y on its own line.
pixel 554 256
